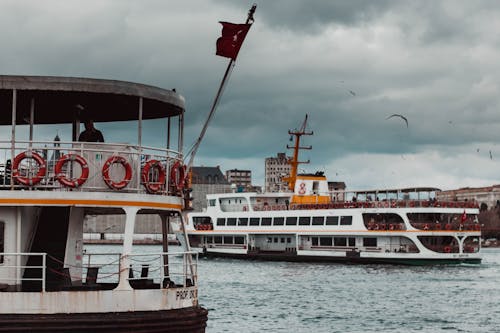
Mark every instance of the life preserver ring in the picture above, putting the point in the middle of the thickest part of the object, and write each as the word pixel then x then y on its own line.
pixel 178 175
pixel 447 226
pixel 29 181
pixel 151 186
pixel 105 172
pixel 61 176
pixel 426 226
pixel 447 249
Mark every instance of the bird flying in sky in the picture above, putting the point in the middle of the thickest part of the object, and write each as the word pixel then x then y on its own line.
pixel 400 116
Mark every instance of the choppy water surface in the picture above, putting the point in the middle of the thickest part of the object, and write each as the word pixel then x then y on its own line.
pixel 256 296
pixel 253 296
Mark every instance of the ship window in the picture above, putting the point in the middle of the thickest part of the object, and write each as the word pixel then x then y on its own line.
pixel 221 221
pixel 231 221
pixel 276 239
pixel 352 241
pixel 218 239
pixel 332 220
pixel 254 221
pixel 211 202
pixel 266 221
pixel 279 221
pixel 289 240
pixel 2 234
pixel 228 239
pixel 314 241
pixel 369 241
pixel 291 220
pixel 282 240
pixel 243 221
pixel 304 220
pixel 201 220
pixel 318 220
pixel 325 241
pixel 345 220
pixel 239 240
pixel 340 241
pixel 269 239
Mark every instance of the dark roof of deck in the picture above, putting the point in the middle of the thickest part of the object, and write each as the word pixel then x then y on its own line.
pixel 58 99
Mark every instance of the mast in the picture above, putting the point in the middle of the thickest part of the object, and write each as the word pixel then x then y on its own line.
pixel 215 103
pixel 294 161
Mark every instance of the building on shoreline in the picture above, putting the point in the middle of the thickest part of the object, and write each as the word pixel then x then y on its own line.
pixel 488 195
pixel 276 168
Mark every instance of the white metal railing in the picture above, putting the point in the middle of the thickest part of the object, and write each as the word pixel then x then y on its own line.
pixel 95 156
pixel 12 269
pixel 164 269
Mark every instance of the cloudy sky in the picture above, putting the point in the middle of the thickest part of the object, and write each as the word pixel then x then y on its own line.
pixel 348 64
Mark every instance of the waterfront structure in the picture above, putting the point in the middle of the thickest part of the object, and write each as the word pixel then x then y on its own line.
pixel 276 168
pixel 312 223
pixel 48 281
pixel 241 179
pixel 489 195
pixel 207 180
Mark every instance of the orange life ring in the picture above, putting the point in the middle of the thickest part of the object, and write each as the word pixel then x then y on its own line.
pixel 178 175
pixel 105 172
pixel 29 181
pixel 73 182
pixel 447 249
pixel 151 186
pixel 447 226
pixel 426 226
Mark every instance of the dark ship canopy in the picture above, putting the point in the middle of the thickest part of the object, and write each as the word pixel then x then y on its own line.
pixel 57 100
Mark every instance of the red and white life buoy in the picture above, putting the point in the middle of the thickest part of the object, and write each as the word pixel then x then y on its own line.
pixel 116 185
pixel 71 182
pixel 150 185
pixel 447 249
pixel 178 175
pixel 29 181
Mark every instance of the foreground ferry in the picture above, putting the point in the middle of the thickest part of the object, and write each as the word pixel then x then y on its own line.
pixel 311 223
pixel 48 282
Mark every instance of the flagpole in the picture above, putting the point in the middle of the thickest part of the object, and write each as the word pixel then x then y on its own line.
pixel 215 103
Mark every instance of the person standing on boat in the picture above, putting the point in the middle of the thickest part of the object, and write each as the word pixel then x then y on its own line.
pixel 91 134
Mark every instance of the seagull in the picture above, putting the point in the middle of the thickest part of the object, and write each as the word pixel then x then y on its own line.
pixel 352 92
pixel 491 156
pixel 400 116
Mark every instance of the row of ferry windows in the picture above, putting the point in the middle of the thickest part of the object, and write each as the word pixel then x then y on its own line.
pixel 342 241
pixel 291 220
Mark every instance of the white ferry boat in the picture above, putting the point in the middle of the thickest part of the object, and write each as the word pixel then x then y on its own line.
pixel 48 281
pixel 311 223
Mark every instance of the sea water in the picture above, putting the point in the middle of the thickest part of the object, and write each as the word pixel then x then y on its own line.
pixel 256 296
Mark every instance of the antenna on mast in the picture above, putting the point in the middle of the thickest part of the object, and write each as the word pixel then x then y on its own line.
pixel 294 161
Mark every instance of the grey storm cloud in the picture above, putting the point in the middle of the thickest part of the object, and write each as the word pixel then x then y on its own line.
pixel 348 64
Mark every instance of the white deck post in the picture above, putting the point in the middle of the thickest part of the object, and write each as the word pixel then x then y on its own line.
pixel 128 236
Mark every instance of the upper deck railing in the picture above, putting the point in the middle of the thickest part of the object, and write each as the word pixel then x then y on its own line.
pixel 89 167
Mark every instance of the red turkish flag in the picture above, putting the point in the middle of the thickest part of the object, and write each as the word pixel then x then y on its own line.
pixel 232 38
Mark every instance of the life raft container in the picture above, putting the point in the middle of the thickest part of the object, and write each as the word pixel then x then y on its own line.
pixel 116 185
pixel 71 182
pixel 29 181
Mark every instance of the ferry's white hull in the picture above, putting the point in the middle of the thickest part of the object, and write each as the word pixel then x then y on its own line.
pixel 343 257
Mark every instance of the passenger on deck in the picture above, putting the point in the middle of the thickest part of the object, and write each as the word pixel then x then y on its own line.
pixel 91 134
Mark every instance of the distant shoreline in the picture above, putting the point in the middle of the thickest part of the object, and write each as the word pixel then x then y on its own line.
pixel 135 242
